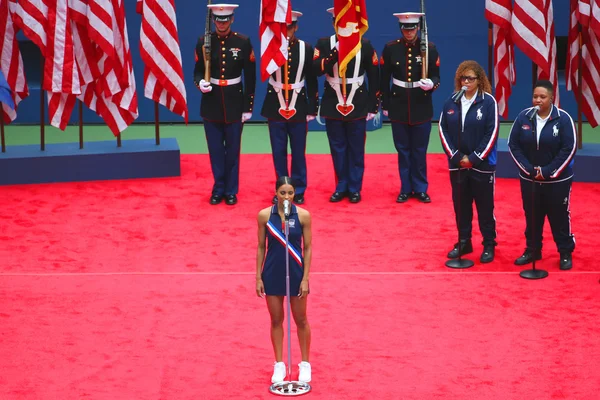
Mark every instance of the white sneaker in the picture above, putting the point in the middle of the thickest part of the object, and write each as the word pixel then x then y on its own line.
pixel 278 372
pixel 305 372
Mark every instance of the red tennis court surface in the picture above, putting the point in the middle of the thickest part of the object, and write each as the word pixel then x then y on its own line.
pixel 142 290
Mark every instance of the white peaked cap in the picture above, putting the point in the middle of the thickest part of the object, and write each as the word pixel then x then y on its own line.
pixel 222 10
pixel 295 15
pixel 409 18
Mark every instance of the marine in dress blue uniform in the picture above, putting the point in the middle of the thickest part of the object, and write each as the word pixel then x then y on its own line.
pixel 478 142
pixel 347 130
pixel 407 101
pixel 227 100
pixel 273 273
pixel 549 143
pixel 290 118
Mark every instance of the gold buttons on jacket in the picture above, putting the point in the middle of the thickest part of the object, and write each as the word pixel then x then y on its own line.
pixel 409 67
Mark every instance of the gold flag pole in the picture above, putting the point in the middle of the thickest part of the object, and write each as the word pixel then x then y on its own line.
pixel 286 81
pixel 344 88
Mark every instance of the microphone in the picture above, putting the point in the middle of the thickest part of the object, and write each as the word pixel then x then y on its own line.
pixel 458 95
pixel 286 208
pixel 533 112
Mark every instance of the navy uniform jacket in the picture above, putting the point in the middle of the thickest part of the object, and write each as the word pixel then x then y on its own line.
pixel 366 98
pixel 479 138
pixel 308 97
pixel 554 150
pixel 230 57
pixel 402 60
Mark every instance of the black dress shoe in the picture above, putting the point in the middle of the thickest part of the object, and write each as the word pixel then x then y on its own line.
pixel 423 197
pixel 566 261
pixel 402 197
pixel 355 197
pixel 528 256
pixel 215 199
pixel 274 201
pixel 488 254
pixel 230 199
pixel 337 196
pixel 299 198
pixel 466 247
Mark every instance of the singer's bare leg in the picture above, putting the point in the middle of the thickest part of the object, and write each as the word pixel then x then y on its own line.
pixel 275 306
pixel 299 313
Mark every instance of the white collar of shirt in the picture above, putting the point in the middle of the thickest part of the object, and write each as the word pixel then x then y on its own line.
pixel 466 104
pixel 539 125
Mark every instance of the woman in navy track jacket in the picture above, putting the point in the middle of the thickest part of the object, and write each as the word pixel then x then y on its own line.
pixel 543 146
pixel 469 132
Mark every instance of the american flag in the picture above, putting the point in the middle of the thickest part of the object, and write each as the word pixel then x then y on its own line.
pixel 581 11
pixel 351 23
pixel 274 17
pixel 551 73
pixel 11 63
pixel 87 55
pixel 533 32
pixel 47 24
pixel 105 62
pixel 159 48
pixel 499 13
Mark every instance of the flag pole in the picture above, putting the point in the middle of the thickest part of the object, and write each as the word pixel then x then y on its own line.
pixel 2 129
pixel 80 124
pixel 344 94
pixel 119 140
pixel 156 123
pixel 579 91
pixel 490 52
pixel 533 75
pixel 286 79
pixel 42 127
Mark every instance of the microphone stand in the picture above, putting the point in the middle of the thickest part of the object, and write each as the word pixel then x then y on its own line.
pixel 533 273
pixel 287 293
pixel 289 387
pixel 459 263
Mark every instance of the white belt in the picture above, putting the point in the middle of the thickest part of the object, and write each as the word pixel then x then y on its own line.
pixel 290 86
pixel 226 82
pixel 408 85
pixel 349 81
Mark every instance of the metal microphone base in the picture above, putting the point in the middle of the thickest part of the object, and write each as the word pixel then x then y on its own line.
pixel 459 263
pixel 533 274
pixel 290 388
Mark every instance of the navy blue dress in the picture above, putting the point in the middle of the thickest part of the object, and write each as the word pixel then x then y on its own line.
pixel 273 273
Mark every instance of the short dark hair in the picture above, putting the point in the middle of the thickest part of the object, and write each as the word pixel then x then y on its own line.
pixel 284 180
pixel 546 84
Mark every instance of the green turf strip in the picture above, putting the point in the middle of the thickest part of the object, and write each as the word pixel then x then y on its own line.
pixel 255 139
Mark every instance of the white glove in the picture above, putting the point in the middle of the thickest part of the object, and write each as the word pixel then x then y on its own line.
pixel 309 118
pixel 370 116
pixel 204 86
pixel 246 117
pixel 426 84
pixel 385 112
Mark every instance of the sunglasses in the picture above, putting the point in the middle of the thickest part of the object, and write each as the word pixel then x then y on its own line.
pixel 468 79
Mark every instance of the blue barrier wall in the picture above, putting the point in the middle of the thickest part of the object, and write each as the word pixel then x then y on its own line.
pixel 457 27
